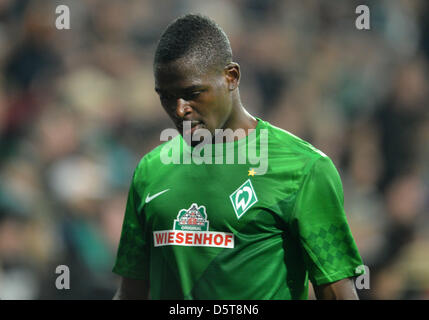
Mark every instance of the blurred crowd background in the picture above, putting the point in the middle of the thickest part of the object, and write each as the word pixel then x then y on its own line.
pixel 78 110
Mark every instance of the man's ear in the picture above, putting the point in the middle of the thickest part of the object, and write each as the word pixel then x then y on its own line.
pixel 232 75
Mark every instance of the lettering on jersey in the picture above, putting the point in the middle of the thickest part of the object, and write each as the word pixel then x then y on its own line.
pixel 193 238
pixel 191 229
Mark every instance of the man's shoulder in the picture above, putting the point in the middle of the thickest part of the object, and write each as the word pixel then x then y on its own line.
pixel 152 159
pixel 290 143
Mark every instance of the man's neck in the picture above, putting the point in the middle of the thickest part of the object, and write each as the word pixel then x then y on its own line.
pixel 240 120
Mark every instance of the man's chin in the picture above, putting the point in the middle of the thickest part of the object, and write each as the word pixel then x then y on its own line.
pixel 197 136
pixel 193 143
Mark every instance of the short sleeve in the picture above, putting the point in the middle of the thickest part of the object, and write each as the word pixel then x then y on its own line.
pixel 132 260
pixel 330 252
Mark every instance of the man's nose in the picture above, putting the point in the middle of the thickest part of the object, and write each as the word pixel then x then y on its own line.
pixel 182 108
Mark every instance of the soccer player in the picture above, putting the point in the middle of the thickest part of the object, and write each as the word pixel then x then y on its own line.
pixel 224 230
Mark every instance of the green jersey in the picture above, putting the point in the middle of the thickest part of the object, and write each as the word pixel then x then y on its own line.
pixel 225 231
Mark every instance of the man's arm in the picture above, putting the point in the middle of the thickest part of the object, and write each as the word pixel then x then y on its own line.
pixel 340 290
pixel 132 289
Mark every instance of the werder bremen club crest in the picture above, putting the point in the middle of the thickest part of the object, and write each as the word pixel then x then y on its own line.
pixel 192 219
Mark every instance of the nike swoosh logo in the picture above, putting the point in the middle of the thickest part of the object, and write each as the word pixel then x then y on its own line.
pixel 149 198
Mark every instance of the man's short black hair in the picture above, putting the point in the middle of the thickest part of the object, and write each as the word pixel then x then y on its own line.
pixel 197 39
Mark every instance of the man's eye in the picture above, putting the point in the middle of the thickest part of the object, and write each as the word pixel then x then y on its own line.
pixel 193 95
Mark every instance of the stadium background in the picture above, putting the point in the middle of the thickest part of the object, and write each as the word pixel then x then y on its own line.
pixel 78 110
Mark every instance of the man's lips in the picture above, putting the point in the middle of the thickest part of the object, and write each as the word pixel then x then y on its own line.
pixel 194 125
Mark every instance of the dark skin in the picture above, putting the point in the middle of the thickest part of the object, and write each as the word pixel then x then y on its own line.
pixel 340 290
pixel 211 100
pixel 209 97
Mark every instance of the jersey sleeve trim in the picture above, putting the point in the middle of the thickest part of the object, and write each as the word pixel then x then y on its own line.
pixel 326 277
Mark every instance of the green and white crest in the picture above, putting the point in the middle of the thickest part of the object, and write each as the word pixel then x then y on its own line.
pixel 192 219
pixel 243 198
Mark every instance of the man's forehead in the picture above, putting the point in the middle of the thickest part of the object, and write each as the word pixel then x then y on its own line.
pixel 178 74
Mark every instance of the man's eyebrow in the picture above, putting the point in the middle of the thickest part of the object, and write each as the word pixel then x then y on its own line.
pixel 193 87
pixel 186 89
